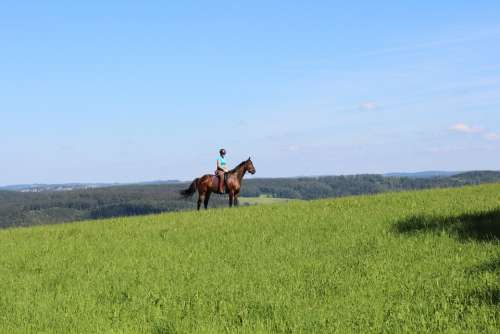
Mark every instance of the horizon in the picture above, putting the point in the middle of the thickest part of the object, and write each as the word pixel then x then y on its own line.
pixel 123 91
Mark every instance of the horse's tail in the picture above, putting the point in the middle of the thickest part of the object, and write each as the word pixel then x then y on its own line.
pixel 186 193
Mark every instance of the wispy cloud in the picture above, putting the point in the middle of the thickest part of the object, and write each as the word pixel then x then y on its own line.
pixel 489 34
pixel 293 148
pixel 492 136
pixel 446 149
pixel 464 128
pixel 368 105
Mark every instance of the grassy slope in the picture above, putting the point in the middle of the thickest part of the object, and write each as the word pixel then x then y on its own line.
pixel 264 200
pixel 359 264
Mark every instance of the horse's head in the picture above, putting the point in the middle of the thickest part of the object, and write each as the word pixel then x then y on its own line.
pixel 249 166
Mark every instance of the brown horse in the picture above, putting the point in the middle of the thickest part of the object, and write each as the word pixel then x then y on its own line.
pixel 207 184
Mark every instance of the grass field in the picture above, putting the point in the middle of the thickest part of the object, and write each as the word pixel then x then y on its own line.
pixel 264 200
pixel 405 262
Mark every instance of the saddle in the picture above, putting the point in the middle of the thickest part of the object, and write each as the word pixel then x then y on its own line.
pixel 216 180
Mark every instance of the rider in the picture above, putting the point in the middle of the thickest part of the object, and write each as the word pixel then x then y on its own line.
pixel 221 168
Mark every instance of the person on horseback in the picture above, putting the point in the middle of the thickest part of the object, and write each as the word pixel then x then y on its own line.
pixel 221 169
pixel 208 183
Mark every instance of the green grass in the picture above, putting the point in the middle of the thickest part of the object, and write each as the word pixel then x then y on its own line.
pixel 405 262
pixel 264 200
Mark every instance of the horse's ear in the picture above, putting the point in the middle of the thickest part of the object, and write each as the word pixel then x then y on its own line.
pixel 249 159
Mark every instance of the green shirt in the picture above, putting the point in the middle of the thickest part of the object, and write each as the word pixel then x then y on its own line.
pixel 222 161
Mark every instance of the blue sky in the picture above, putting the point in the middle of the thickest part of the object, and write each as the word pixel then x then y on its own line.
pixel 133 91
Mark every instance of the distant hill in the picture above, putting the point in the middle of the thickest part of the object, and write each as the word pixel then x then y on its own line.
pixel 479 176
pixel 40 187
pixel 157 182
pixel 424 174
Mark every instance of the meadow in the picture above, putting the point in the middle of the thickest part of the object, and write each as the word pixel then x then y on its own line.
pixel 423 261
pixel 263 200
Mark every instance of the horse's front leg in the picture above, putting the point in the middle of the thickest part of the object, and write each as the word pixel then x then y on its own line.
pixel 236 200
pixel 231 199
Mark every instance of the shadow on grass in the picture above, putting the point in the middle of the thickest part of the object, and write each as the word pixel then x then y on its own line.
pixel 491 266
pixel 486 295
pixel 481 226
pixel 163 327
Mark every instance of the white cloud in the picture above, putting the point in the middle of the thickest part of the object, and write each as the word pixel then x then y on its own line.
pixel 445 149
pixel 293 148
pixel 368 105
pixel 464 128
pixel 492 136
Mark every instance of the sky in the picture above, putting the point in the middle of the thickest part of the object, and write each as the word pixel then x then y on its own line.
pixel 126 91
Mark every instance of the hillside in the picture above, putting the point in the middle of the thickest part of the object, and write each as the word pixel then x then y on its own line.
pixel 425 261
pixel 26 209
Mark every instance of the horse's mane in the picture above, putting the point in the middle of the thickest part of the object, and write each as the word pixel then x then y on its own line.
pixel 237 167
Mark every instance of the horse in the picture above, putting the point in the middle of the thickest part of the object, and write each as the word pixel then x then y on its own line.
pixel 207 184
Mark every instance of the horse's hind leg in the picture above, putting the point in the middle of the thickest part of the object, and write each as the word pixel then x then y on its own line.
pixel 207 198
pixel 201 199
